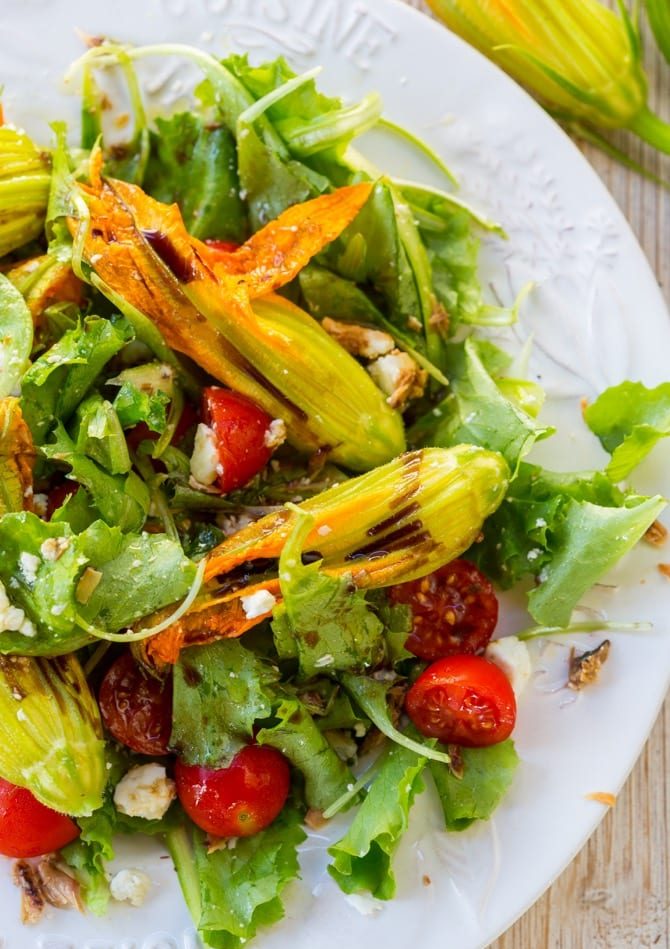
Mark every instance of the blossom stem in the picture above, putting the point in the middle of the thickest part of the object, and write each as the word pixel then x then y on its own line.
pixel 651 129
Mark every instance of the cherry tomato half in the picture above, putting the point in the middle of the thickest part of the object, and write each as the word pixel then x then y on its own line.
pixel 28 828
pixel 239 800
pixel 454 610
pixel 136 709
pixel 240 427
pixel 463 699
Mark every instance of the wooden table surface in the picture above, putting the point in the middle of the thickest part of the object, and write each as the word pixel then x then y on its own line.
pixel 616 893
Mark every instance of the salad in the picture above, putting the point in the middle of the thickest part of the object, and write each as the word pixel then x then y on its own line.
pixel 263 468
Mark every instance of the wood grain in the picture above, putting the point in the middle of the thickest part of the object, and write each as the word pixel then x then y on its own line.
pixel 616 893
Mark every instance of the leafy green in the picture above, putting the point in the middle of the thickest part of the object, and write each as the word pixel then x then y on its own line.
pixel 137 575
pixel 89 855
pixel 195 165
pixel 60 378
pixel 362 858
pixel 370 695
pixel 232 892
pixel 296 735
pixel 475 411
pixel 100 435
pixel 565 529
pixel 220 691
pixel 16 337
pixel 629 419
pixel 322 622
pixel 122 500
pixel 487 774
pixel 137 402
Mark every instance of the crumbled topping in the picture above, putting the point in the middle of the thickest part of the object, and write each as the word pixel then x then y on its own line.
pixel 29 565
pixel 275 434
pixel 54 547
pixel 257 604
pixel 664 568
pixel 45 884
pixel 359 340
pixel 130 886
pixel 399 377
pixel 145 791
pixel 584 669
pixel 512 656
pixel 88 582
pixel 602 797
pixel 205 458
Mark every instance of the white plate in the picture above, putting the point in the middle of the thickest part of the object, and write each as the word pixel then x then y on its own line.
pixel 597 318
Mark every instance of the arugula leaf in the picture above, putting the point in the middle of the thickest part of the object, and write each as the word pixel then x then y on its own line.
pixel 16 339
pixel 565 529
pixel 122 500
pixel 296 735
pixel 629 419
pixel 232 892
pixel 195 165
pixel 61 377
pixel 322 622
pixel 475 411
pixel 145 392
pixel 362 858
pixel 100 436
pixel 487 774
pixel 370 695
pixel 41 564
pixel 220 691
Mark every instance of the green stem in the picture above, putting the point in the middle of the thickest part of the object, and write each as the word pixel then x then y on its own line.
pixel 652 130
pixel 658 12
pixel 181 851
pixel 591 626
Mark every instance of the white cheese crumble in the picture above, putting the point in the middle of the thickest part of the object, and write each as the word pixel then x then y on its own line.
pixel 130 886
pixel 324 530
pixel 275 434
pixel 145 791
pixel 29 565
pixel 205 457
pixel 54 547
pixel 257 604
pixel 13 619
pixel 511 655
pixel 40 502
pixel 325 660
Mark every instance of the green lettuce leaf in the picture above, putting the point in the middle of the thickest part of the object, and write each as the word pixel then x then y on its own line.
pixel 321 622
pixel 629 419
pixel 487 774
pixel 57 382
pixel 220 691
pixel 297 736
pixel 362 858
pixel 565 529
pixel 100 436
pixel 136 402
pixel 16 337
pixel 234 891
pixel 194 164
pixel 476 411
pixel 122 500
pixel 41 564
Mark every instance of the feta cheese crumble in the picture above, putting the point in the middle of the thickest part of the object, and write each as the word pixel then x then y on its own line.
pixel 258 603
pixel 130 886
pixel 275 434
pixel 511 655
pixel 29 565
pixel 205 458
pixel 145 791
pixel 13 619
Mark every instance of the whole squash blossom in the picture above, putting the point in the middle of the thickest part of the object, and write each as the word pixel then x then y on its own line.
pixel 579 57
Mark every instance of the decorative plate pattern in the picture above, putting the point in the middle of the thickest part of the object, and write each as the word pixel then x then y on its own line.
pixel 595 316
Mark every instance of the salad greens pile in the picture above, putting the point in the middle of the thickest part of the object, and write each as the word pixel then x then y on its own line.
pixel 114 317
